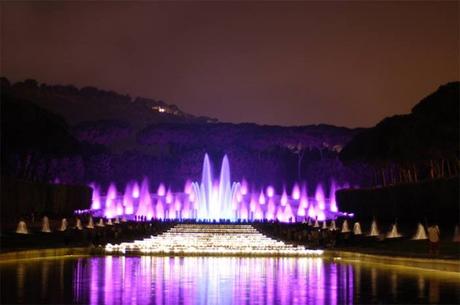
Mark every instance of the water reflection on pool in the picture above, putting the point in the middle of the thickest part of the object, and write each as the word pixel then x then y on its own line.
pixel 218 280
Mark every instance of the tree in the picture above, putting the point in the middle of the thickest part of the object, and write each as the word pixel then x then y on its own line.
pixel 409 144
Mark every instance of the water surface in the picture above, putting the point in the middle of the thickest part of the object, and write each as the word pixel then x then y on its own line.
pixel 219 280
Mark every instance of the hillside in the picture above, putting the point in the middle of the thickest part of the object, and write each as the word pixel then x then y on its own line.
pixel 121 138
pixel 93 104
pixel 420 145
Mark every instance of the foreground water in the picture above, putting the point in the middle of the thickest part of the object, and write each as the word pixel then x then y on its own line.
pixel 219 280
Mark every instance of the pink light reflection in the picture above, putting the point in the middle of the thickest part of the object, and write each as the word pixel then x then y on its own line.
pixel 215 280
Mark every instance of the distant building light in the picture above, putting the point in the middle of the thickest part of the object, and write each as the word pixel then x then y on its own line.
pixel 159 109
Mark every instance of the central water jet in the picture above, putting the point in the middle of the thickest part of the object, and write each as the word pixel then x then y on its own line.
pixel 215 198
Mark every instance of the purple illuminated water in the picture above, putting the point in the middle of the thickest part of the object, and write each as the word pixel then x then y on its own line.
pixel 219 280
pixel 216 197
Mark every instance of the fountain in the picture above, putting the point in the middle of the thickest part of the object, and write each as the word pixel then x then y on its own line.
pixel 63 225
pixel 90 223
pixel 131 194
pixel 357 229
pixel 96 201
pixel 374 229
pixel 345 228
pixel 295 192
pixel 46 225
pixel 456 237
pixel 78 225
pixel 393 232
pixel 316 225
pixel 332 199
pixel 333 226
pixel 421 233
pixel 22 228
pixel 100 223
pixel 216 198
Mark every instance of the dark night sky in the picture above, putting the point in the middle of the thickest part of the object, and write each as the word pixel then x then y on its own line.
pixel 294 63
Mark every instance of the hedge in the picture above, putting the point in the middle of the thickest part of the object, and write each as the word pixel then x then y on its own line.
pixel 436 200
pixel 21 198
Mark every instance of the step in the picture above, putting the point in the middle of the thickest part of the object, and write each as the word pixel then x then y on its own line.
pixel 211 239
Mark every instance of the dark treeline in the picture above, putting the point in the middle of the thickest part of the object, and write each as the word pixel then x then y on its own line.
pixel 422 145
pixel 430 201
pixel 115 138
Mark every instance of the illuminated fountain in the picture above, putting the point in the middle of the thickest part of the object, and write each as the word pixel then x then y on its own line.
pixel 333 226
pixel 374 229
pixel 345 228
pixel 46 225
pixel 393 232
pixel 90 223
pixel 215 198
pixel 22 228
pixel 421 233
pixel 78 225
pixel 211 239
pixel 63 225
pixel 357 229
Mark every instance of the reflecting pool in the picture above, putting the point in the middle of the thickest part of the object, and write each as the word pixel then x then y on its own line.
pixel 219 280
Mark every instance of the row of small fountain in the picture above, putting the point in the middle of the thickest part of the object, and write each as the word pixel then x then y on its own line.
pixel 64 225
pixel 345 228
pixel 215 199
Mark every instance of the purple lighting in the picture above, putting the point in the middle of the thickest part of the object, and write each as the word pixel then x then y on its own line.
pixel 135 193
pixel 319 196
pixel 295 192
pixel 261 198
pixel 244 187
pixel 216 199
pixel 333 203
pixel 129 197
pixel 270 191
pixel 197 280
pixel 284 198
pixel 169 197
pixel 161 190
pixel 96 201
pixel 110 201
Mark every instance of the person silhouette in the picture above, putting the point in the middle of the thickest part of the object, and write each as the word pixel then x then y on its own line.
pixel 433 239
